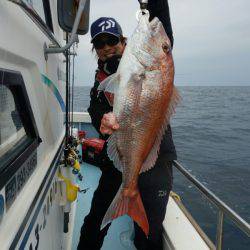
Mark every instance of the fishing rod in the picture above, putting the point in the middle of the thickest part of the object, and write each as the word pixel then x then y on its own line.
pixel 67 95
pixel 72 89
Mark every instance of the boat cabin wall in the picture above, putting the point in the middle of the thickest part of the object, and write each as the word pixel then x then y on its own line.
pixel 21 50
pixel 33 89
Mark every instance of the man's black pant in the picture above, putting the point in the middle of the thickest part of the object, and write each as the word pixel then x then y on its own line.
pixel 154 186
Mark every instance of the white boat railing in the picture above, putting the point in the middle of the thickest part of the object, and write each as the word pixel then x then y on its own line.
pixel 221 206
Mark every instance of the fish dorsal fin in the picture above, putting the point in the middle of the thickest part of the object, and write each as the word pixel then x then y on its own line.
pixel 153 155
pixel 113 152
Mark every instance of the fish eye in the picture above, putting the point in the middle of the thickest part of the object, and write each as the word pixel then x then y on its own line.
pixel 166 48
pixel 142 76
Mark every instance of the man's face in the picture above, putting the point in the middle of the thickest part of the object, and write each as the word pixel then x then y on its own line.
pixel 107 45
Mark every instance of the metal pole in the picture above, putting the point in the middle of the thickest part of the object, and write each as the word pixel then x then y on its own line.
pixel 219 234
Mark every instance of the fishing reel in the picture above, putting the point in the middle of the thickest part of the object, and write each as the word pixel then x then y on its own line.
pixel 73 142
pixel 71 157
pixel 74 153
pixel 76 168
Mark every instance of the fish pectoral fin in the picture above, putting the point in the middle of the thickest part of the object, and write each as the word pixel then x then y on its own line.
pixel 110 84
pixel 131 206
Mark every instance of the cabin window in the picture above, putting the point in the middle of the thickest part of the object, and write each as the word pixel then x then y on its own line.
pixel 18 133
pixel 37 5
pixel 42 7
pixel 47 12
pixel 11 128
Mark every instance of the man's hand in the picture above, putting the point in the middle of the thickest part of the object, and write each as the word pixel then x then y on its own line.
pixel 109 124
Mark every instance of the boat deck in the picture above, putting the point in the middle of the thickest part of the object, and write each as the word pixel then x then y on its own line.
pixel 121 230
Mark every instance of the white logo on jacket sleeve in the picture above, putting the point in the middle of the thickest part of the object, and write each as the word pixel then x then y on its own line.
pixel 107 24
pixel 162 193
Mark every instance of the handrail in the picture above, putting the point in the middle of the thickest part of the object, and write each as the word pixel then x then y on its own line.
pixel 37 20
pixel 223 208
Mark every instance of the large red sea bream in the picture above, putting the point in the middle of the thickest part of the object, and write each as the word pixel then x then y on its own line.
pixel 144 100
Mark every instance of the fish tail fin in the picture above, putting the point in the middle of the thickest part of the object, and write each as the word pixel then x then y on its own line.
pixel 131 206
pixel 118 207
pixel 137 213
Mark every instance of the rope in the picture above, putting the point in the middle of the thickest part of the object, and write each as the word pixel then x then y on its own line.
pixel 175 196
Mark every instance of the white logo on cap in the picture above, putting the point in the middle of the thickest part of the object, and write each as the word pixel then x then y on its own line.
pixel 107 24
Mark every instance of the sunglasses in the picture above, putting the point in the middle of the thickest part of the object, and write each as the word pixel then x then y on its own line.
pixel 110 41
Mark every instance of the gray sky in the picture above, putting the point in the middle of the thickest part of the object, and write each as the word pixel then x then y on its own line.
pixel 212 40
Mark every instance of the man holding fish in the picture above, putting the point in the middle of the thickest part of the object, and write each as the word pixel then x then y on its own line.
pixel 130 107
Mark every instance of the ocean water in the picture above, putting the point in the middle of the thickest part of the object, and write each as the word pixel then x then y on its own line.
pixel 211 131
